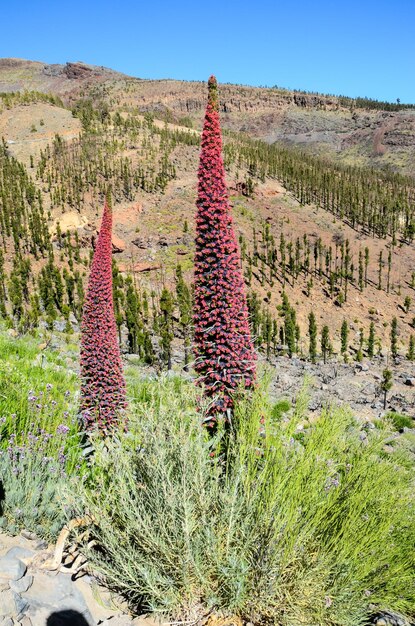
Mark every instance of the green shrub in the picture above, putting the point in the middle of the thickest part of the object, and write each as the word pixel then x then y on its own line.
pixel 399 420
pixel 317 532
pixel 31 484
pixel 279 408
pixel 394 421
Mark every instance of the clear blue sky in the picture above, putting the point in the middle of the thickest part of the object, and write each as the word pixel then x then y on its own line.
pixel 354 47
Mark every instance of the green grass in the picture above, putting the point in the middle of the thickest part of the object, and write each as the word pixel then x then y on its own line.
pixel 36 388
pixel 398 421
pixel 39 438
pixel 280 408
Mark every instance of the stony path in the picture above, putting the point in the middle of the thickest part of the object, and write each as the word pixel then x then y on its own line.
pixel 32 596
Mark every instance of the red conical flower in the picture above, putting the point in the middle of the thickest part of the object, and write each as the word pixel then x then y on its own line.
pixel 223 347
pixel 103 384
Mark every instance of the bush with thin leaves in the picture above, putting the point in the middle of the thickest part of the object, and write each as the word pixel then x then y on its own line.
pixel 31 487
pixel 397 421
pixel 306 524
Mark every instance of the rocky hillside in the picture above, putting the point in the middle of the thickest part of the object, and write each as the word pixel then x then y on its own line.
pixel 21 75
pixel 336 240
pixel 351 131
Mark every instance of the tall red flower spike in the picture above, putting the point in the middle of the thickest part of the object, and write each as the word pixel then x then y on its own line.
pixel 224 353
pixel 103 395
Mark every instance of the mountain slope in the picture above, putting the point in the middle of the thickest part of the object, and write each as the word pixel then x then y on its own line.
pixel 20 75
pixel 353 131
pixel 305 225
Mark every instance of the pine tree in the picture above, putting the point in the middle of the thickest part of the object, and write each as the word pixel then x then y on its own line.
pixel 389 271
pixel 394 338
pixel 166 326
pixel 325 343
pixel 283 261
pixel 297 333
pixel 103 386
pixel 312 331
pixel 359 353
pixel 411 349
pixel 386 384
pixel 274 335
pixel 3 293
pixel 118 297
pixel 267 333
pixel 289 324
pixel 224 354
pixel 134 318
pixel 290 330
pixel 344 336
pixel 16 292
pixel 380 267
pixel 34 313
pixel 184 301
pixel 361 283
pixel 347 269
pixel 366 264
pixel 371 340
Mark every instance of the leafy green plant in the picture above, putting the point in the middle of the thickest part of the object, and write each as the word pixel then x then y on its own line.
pixel 399 421
pixel 317 532
pixel 31 487
pixel 279 408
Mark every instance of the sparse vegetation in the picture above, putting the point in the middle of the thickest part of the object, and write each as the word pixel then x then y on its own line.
pixel 14 98
pixel 400 421
pixel 277 512
pixel 138 156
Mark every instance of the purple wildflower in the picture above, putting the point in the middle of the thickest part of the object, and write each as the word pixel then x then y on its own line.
pixel 62 429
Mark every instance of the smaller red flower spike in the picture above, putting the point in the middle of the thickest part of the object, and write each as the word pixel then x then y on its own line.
pixel 224 354
pixel 103 394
